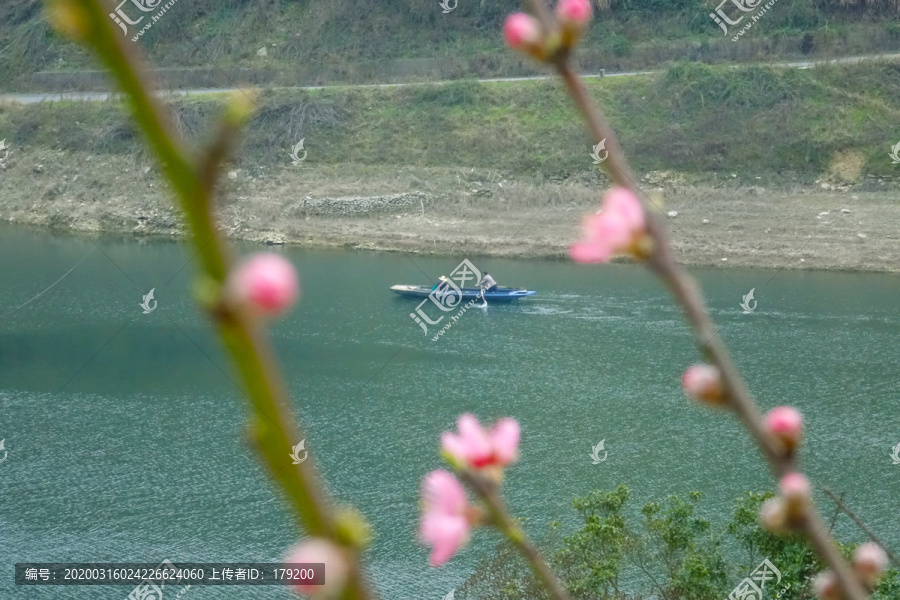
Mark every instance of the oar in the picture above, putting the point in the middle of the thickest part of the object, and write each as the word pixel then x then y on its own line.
pixel 483 299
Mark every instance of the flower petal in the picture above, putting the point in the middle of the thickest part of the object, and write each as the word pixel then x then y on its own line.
pixel 443 493
pixel 587 252
pixel 623 203
pixel 445 535
pixel 477 442
pixel 505 437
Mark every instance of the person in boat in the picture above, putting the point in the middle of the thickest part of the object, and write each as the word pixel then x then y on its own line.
pixel 487 283
pixel 443 285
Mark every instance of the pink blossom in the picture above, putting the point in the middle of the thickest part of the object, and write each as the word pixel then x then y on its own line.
pixel 825 586
pixel 266 282
pixel 445 522
pixel 869 561
pixel 795 486
pixel 479 448
pixel 574 11
pixel 703 383
pixel 773 516
pixel 319 550
pixel 521 31
pixel 786 424
pixel 618 228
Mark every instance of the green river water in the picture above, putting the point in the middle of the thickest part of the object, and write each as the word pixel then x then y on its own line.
pixel 124 430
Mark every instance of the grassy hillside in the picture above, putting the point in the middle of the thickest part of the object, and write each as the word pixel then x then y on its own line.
pixel 314 41
pixel 693 118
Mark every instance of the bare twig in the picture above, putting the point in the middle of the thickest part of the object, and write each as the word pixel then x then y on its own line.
pixel 837 511
pixel 858 521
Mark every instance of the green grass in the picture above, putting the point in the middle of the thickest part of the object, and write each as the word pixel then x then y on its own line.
pixel 312 41
pixel 692 118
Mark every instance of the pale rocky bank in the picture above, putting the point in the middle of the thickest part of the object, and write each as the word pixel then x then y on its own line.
pixel 467 212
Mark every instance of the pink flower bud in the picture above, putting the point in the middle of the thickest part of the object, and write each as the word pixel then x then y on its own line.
pixel 786 424
pixel 795 487
pixel 478 448
pixel 445 518
pixel 703 383
pixel 773 516
pixel 578 12
pixel 521 31
pixel 825 586
pixel 618 228
pixel 795 491
pixel 267 283
pixel 320 550
pixel 869 561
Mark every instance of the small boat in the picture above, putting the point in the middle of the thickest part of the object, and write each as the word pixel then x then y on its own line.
pixel 501 294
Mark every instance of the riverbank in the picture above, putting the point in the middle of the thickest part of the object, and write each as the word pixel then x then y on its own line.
pixel 769 157
pixel 476 213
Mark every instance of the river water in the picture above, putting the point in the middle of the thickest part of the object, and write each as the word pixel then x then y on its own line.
pixel 124 430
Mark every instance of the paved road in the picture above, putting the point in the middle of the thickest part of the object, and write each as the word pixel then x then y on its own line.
pixel 100 96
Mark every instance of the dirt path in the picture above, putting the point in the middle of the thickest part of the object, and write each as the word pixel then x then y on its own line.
pixel 102 96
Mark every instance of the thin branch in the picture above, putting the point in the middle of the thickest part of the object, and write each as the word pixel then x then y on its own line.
pixel 663 262
pixel 643 567
pixel 272 428
pixel 837 511
pixel 858 521
pixel 499 516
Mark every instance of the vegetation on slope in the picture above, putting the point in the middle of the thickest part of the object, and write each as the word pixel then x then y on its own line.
pixel 313 41
pixel 674 554
pixel 692 118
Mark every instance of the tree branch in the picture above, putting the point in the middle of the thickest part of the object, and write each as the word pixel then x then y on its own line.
pixel 272 429
pixel 861 525
pixel 663 262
